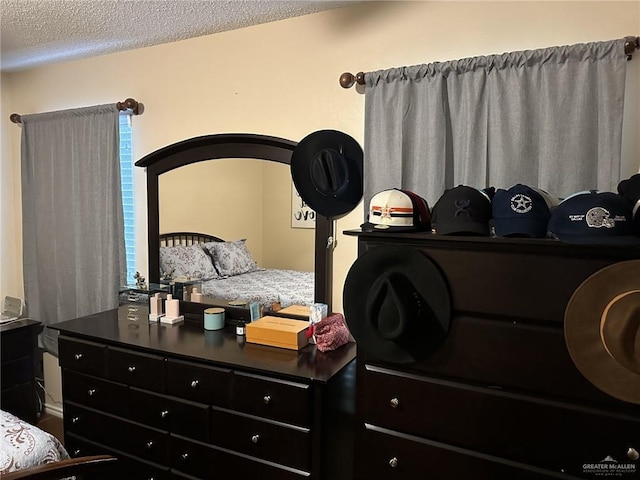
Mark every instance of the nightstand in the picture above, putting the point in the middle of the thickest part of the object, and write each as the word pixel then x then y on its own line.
pixel 19 345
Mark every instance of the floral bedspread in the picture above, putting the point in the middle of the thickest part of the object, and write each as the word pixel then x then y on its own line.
pixel 289 287
pixel 23 445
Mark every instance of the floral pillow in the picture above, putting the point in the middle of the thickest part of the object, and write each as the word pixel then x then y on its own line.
pixel 188 261
pixel 231 258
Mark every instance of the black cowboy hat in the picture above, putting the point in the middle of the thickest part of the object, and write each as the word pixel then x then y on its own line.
pixel 397 304
pixel 326 167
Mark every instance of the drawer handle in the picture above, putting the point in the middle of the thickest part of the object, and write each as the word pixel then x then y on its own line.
pixel 393 463
pixel 164 413
pixel 184 456
pixel 255 438
pixel 131 368
pixel 78 356
pixel 194 383
pixel 266 399
pixel 149 444
pixel 91 392
pixel 75 420
pixel 633 454
pixel 394 402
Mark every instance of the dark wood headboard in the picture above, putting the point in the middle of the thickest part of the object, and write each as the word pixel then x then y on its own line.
pixel 186 238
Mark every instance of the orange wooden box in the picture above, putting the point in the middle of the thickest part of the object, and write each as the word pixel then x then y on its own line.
pixel 301 310
pixel 278 332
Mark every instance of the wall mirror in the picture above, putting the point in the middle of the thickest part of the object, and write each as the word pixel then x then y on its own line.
pixel 209 184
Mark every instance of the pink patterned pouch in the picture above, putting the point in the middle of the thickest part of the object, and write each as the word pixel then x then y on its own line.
pixel 330 332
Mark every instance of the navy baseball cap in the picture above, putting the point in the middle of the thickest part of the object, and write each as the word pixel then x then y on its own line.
pixel 592 217
pixel 522 211
pixel 462 210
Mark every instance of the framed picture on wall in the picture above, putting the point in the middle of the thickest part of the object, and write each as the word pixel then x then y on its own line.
pixel 302 216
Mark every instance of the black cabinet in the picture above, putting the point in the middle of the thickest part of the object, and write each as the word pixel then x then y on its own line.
pixel 19 346
pixel 172 403
pixel 500 397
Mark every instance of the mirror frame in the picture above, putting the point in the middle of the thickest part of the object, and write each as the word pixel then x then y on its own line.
pixel 225 146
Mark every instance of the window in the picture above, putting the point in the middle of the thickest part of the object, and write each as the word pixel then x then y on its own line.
pixel 126 174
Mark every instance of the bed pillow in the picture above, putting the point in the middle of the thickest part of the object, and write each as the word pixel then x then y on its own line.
pixel 231 258
pixel 189 261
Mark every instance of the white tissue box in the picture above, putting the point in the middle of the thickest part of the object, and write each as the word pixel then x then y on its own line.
pixel 317 312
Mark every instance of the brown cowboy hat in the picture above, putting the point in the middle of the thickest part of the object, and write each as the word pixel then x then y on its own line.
pixel 602 329
pixel 397 304
pixel 326 168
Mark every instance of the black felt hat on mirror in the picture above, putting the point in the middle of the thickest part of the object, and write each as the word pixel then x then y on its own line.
pixel 326 168
pixel 397 304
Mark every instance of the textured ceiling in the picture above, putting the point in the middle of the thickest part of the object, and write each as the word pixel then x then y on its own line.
pixel 37 32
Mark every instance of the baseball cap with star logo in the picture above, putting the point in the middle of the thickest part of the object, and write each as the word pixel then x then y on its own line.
pixel 522 211
pixel 396 210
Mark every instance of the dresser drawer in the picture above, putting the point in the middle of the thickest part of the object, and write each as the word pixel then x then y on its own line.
pixel 20 370
pixel 16 343
pixel 137 369
pixel 193 458
pixel 388 455
pixel 128 468
pixel 90 424
pixel 147 443
pixel 200 383
pixel 180 416
pixel 82 356
pixel 281 400
pixel 21 400
pixel 206 461
pixel 144 442
pixel 95 393
pixel 553 435
pixel 261 438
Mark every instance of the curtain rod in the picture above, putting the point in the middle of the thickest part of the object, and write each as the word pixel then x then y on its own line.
pixel 348 80
pixel 129 104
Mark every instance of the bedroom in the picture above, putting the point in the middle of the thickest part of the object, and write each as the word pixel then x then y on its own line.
pixel 282 79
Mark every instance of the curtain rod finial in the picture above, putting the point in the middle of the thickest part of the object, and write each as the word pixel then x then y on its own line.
pixel 630 45
pixel 130 104
pixel 347 80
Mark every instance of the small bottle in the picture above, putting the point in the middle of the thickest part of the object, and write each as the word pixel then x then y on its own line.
pixel 155 305
pixel 196 296
pixel 172 306
pixel 241 329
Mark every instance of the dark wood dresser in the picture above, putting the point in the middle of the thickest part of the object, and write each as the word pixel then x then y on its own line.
pixel 19 346
pixel 500 398
pixel 181 402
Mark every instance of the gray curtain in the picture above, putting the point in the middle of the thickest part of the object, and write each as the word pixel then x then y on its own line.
pixel 72 220
pixel 550 118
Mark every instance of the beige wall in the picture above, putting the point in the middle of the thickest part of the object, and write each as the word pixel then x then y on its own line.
pixel 281 79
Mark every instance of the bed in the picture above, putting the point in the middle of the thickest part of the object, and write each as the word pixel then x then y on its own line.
pixel 23 445
pixel 29 453
pixel 228 271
